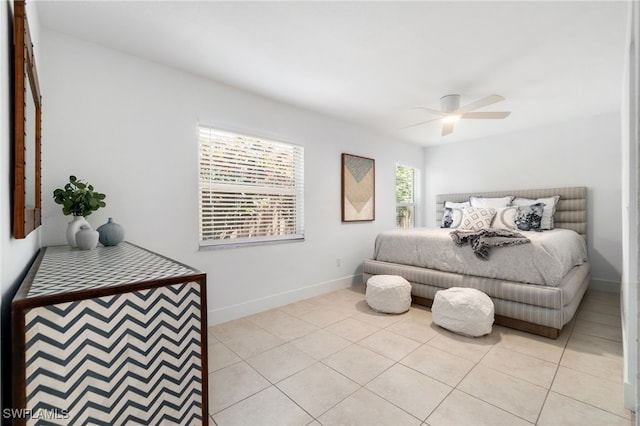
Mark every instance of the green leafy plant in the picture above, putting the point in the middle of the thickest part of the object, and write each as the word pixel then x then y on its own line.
pixel 78 198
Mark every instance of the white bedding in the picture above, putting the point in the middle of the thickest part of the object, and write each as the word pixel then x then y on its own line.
pixel 544 261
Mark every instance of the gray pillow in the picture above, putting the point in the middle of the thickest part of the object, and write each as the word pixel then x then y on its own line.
pixel 549 208
pixel 529 218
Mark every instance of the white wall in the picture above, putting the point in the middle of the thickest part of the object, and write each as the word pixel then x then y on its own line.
pixel 583 152
pixel 15 255
pixel 630 205
pixel 128 126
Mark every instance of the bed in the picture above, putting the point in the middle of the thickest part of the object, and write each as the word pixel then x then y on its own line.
pixel 539 292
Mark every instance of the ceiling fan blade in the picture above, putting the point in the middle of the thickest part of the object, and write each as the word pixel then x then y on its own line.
pixel 492 99
pixel 486 114
pixel 420 123
pixel 432 111
pixel 447 128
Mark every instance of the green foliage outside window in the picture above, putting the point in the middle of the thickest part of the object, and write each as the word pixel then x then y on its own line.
pixel 404 184
pixel 405 197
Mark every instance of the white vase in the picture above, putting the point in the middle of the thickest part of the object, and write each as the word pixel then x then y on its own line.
pixel 73 228
pixel 87 238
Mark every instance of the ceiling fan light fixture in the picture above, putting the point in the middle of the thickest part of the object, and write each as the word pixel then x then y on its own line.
pixel 451 111
pixel 451 118
pixel 450 103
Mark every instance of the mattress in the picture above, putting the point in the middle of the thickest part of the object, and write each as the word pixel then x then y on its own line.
pixel 544 261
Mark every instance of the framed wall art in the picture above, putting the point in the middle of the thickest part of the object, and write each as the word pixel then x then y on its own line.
pixel 358 188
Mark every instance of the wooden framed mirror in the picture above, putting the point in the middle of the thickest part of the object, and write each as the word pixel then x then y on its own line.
pixel 28 117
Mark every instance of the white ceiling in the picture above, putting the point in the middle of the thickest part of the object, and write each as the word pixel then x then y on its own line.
pixel 369 62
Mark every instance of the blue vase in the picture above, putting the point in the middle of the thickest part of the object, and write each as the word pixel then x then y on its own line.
pixel 111 233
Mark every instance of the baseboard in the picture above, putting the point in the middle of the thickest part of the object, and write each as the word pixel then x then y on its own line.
pixel 629 397
pixel 228 313
pixel 604 285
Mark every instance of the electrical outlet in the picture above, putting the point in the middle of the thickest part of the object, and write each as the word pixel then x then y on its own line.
pixel 338 261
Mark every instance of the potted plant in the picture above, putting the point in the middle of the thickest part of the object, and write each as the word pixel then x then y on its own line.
pixel 79 199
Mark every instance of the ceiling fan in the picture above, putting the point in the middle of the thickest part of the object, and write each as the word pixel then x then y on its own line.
pixel 451 111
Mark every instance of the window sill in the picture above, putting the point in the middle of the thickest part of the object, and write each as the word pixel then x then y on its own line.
pixel 229 244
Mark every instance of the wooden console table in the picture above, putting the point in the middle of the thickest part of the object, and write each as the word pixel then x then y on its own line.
pixel 114 335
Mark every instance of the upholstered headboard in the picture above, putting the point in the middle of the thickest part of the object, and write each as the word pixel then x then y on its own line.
pixel 571 210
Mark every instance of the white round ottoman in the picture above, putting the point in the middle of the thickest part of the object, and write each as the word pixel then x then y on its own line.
pixel 390 294
pixel 465 311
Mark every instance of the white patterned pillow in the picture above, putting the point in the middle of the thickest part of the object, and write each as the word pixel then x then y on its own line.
pixel 491 202
pixel 476 218
pixel 452 214
pixel 456 218
pixel 505 218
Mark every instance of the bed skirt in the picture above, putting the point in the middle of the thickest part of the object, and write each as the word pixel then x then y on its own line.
pixel 533 308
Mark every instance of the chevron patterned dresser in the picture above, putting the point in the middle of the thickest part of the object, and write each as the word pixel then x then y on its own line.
pixel 110 336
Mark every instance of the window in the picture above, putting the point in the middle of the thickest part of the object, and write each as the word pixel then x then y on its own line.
pixel 405 196
pixel 251 189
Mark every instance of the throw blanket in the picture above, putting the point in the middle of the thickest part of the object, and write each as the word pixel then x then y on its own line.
pixel 483 240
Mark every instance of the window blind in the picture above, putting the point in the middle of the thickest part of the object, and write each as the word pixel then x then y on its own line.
pixel 251 189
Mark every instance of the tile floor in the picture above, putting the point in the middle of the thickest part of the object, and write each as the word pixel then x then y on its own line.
pixel 331 360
